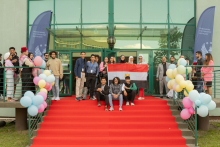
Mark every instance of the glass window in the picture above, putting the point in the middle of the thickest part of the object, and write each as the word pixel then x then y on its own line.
pixel 95 11
pixel 154 11
pixel 127 11
pixel 181 11
pixel 67 11
pixel 37 7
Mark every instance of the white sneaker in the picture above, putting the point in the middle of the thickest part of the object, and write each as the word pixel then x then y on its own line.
pixel 132 104
pixel 53 98
pixel 120 108
pixel 14 98
pixel 111 109
pixel 140 98
pixel 127 103
pixel 57 99
pixel 94 97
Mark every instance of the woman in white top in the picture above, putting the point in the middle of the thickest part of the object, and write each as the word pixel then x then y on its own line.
pixel 131 60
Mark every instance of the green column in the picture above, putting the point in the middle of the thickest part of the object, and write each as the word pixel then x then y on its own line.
pixel 111 18
pixel 168 39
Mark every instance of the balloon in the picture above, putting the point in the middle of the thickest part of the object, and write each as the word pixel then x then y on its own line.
pixel 175 72
pixel 35 73
pixel 41 70
pixel 38 107
pixel 48 89
pixel 47 72
pixel 45 104
pixel 183 84
pixel 50 71
pixel 50 79
pixel 185 114
pixel 43 94
pixel 172 82
pixel 42 83
pixel 211 105
pixel 43 65
pixel 198 102
pixel 43 76
pixel 38 99
pixel 47 85
pixel 174 86
pixel 172 66
pixel 189 69
pixel 170 73
pixel 189 82
pixel 41 109
pixel 189 87
pixel 169 85
pixel 183 62
pixel 206 99
pixel 167 79
pixel 187 103
pixel 202 93
pixel 178 89
pixel 29 94
pixel 194 95
pixel 43 90
pixel 181 69
pixel 191 110
pixel 32 110
pixel 26 101
pixel 179 78
pixel 178 62
pixel 36 80
pixel 52 83
pixel 38 61
pixel 203 111
pixel 185 93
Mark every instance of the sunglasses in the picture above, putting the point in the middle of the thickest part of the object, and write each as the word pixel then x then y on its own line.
pixel 140 58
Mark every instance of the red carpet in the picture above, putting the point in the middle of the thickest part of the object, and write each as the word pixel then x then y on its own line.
pixel 70 123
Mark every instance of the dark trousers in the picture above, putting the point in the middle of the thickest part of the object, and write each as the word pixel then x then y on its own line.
pixel 27 82
pixel 101 97
pixel 1 83
pixel 130 96
pixel 90 79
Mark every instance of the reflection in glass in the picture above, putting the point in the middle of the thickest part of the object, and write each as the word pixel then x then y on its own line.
pixel 65 84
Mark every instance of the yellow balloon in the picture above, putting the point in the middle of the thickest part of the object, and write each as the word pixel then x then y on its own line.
pixel 189 82
pixel 189 69
pixel 169 85
pixel 181 69
pixel 179 78
pixel 185 93
pixel 42 83
pixel 172 82
pixel 52 83
pixel 178 63
pixel 169 73
pixel 178 89
pixel 47 72
pixel 175 72
pixel 183 84
pixel 189 87
pixel 44 90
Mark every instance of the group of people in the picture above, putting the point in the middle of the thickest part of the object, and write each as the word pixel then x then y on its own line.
pixel 201 76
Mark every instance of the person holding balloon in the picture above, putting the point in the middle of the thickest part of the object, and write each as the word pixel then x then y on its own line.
pixel 26 76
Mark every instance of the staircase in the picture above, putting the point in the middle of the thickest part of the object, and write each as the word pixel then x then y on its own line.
pixel 152 122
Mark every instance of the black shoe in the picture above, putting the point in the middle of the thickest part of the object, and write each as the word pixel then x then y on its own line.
pixel 168 97
pixel 78 99
pixel 161 97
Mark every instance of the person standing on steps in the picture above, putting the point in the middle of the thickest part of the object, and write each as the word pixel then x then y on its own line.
pixel 56 67
pixel 92 73
pixel 131 60
pixel 1 77
pixel 103 68
pixel 46 56
pixel 80 74
pixel 122 59
pixel 172 60
pixel 200 61
pixel 115 93
pixel 102 91
pixel 112 60
pixel 129 91
pixel 161 75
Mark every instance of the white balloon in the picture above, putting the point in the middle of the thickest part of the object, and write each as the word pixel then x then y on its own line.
pixel 206 99
pixel 211 105
pixel 194 95
pixel 203 111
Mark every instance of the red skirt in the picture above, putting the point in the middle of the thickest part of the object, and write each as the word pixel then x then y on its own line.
pixel 141 92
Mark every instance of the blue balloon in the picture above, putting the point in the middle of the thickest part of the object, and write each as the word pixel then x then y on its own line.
pixel 50 79
pixel 172 66
pixel 167 79
pixel 43 76
pixel 38 106
pixel 26 101
pixel 198 103
pixel 201 94
pixel 42 70
pixel 37 100
pixel 50 71
pixel 183 62
pixel 206 99
pixel 43 65
pixel 211 105
pixel 32 110
pixel 29 94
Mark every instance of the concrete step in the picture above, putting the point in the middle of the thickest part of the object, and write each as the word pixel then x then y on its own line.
pixel 189 140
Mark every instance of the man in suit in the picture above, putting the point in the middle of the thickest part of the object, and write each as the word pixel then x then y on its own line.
pixel 102 91
pixel 161 75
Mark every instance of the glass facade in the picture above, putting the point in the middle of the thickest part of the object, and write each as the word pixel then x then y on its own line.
pixel 158 26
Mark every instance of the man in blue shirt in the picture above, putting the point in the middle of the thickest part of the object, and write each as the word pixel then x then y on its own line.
pixel 92 70
pixel 80 73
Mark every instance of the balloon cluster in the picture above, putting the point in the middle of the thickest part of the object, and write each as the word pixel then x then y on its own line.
pixel 176 77
pixel 38 61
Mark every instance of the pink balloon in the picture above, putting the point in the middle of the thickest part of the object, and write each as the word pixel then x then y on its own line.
pixel 47 85
pixel 49 89
pixel 38 61
pixel 43 94
pixel 185 114
pixel 41 109
pixel 174 86
pixel 184 75
pixel 45 104
pixel 187 103
pixel 36 80
pixel 191 110
pixel 34 72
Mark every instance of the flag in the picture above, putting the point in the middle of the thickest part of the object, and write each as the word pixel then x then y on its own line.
pixel 136 72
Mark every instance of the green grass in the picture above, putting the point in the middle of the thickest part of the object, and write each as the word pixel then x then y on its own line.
pixel 9 137
pixel 210 138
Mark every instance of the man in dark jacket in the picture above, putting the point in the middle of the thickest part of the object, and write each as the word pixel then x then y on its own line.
pixel 80 74
pixel 102 91
pixel 1 76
